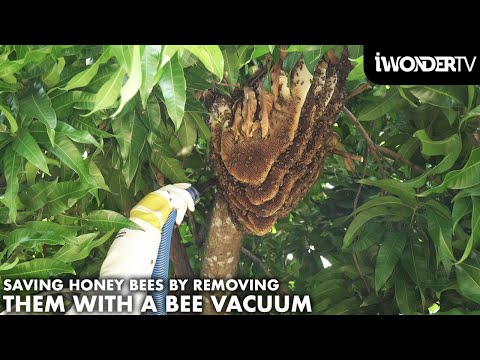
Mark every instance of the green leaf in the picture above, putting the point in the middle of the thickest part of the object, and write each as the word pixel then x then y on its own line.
pixel 391 201
pixel 440 230
pixel 82 247
pixel 109 92
pixel 464 178
pixel 210 55
pixel 26 146
pixel 474 239
pixel 122 127
pixel 440 95
pixel 11 120
pixel 259 50
pixel 63 195
pixel 461 207
pixel 8 266
pixel 357 72
pixel 471 96
pixel 200 125
pixel 83 78
pixel 370 235
pixel 79 136
pixel 66 151
pixel 38 268
pixel 134 81
pixel 381 106
pixel 449 147
pixel 89 125
pixel 37 105
pixel 152 55
pixel 360 220
pixel 415 262
pixel 390 252
pixel 306 48
pixel 172 83
pixel 36 195
pixel 404 294
pixel 138 136
pixel 231 64
pixel 468 279
pixel 403 191
pixel 97 175
pixel 166 164
pixel 474 113
pixel 187 135
pixel 52 78
pixel 106 220
pixel 11 166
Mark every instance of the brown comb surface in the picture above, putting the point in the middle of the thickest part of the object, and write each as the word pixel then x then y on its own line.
pixel 269 149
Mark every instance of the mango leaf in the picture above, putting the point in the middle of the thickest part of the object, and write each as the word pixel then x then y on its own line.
pixel 107 220
pixel 440 95
pixel 357 72
pixel 371 234
pixel 468 279
pixel 11 120
pixel 381 106
pixel 138 136
pixel 259 50
pixel 66 151
pixel 404 294
pixel 97 175
pixel 37 105
pixel 151 57
pixel 26 146
pixel 470 191
pixel 162 158
pixel 403 191
pixel 461 207
pixel 449 147
pixel 211 56
pixel 109 92
pixel 134 81
pixel 12 163
pixel 415 262
pixel 38 268
pixel 79 136
pixel 231 64
pixel 390 252
pixel 474 113
pixel 83 78
pixel 440 230
pixel 52 78
pixel 391 201
pixel 474 239
pixel 201 126
pixel 63 195
pixel 172 83
pixel 8 266
pixel 89 125
pixel 464 178
pixel 82 247
pixel 187 135
pixel 360 220
pixel 36 195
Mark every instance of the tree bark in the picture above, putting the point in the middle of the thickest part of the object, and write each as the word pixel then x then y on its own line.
pixel 179 258
pixel 222 249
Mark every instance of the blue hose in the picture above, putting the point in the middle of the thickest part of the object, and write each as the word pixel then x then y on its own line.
pixel 160 270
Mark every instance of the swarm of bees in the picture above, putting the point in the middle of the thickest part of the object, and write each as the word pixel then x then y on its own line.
pixel 268 148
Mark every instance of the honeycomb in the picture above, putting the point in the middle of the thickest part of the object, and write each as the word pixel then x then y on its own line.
pixel 268 149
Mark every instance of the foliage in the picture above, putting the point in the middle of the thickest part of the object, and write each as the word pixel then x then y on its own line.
pixel 82 127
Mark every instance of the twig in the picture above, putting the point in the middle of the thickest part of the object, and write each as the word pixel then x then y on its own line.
pixel 360 272
pixel 359 191
pixel 367 138
pixel 347 155
pixel 224 84
pixel 396 156
pixel 358 90
pixel 258 261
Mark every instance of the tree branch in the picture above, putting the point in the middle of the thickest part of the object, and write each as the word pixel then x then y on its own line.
pixel 347 155
pixel 358 90
pixel 370 144
pixel 258 261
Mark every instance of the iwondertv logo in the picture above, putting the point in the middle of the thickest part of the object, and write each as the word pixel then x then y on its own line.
pixel 423 63
pixel 389 64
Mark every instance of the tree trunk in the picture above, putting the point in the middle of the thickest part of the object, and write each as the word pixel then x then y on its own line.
pixel 222 248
